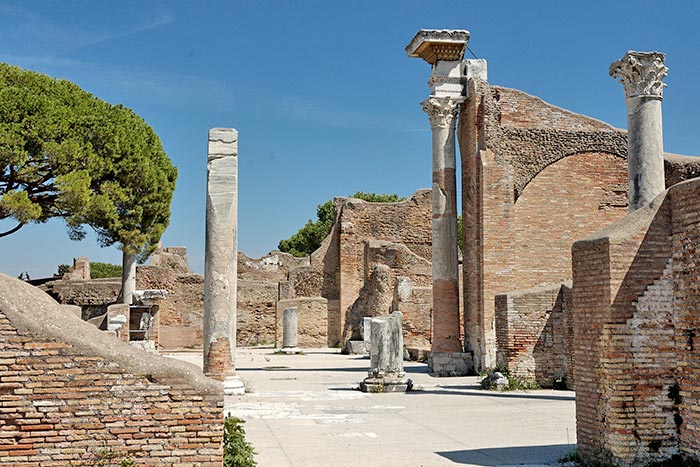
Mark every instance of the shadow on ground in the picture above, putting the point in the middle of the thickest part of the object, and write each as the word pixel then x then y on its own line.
pixel 510 456
pixel 474 390
pixel 272 367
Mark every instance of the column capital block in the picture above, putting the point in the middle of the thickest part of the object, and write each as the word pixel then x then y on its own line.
pixel 641 73
pixel 441 111
pixel 433 45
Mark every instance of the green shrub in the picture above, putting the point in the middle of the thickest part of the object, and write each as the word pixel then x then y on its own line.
pixel 237 451
pixel 102 270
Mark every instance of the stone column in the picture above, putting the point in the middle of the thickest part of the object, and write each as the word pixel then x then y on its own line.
pixel 290 328
pixel 444 50
pixel 386 356
pixel 128 277
pixel 641 74
pixel 443 113
pixel 220 267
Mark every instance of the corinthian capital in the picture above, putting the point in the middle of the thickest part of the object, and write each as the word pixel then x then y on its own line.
pixel 441 111
pixel 641 73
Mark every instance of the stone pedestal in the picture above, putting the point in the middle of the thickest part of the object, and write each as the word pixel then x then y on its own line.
pixel 641 74
pixel 386 356
pixel 290 335
pixel 220 265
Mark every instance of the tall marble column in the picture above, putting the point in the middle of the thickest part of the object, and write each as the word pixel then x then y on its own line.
pixel 220 267
pixel 445 333
pixel 641 74
pixel 444 51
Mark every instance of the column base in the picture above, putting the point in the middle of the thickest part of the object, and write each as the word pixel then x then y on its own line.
pixel 233 386
pixel 386 383
pixel 450 363
pixel 291 350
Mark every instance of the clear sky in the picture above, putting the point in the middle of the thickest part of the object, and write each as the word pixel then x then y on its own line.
pixel 322 93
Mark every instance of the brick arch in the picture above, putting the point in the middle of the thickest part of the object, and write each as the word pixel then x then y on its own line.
pixel 530 151
pixel 566 201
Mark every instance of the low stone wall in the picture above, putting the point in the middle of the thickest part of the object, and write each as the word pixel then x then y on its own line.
pixel 312 321
pixel 532 328
pixel 69 392
pixel 637 330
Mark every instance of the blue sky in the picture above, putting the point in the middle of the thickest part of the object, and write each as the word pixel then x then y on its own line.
pixel 325 99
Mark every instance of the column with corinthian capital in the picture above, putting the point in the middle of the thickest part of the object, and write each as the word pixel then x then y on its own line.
pixel 641 74
pixel 444 49
pixel 445 329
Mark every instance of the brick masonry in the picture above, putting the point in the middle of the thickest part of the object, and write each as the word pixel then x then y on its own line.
pixel 68 391
pixel 533 332
pixel 535 178
pixel 636 297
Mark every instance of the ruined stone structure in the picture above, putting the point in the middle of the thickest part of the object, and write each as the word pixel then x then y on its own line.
pixel 534 334
pixel 636 330
pixel 635 302
pixel 386 356
pixel 69 391
pixel 534 179
pixel 356 268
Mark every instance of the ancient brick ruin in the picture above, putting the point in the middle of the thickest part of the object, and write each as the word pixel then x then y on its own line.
pixel 636 331
pixel 71 393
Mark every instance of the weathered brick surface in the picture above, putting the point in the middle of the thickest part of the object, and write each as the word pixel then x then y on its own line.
pixel 531 332
pixel 416 304
pixel 686 319
pixel 63 399
pixel 635 306
pixel 407 222
pixel 534 178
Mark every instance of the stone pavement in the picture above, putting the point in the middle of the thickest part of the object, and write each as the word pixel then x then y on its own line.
pixel 304 410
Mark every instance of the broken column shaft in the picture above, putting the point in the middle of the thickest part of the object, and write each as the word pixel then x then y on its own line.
pixel 220 268
pixel 641 74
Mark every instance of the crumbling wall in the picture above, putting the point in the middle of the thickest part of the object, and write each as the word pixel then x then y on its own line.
pixel 407 222
pixel 636 297
pixel 532 332
pixel 686 319
pixel 69 391
pixel 534 178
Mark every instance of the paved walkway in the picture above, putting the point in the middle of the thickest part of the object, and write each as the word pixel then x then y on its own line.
pixel 304 411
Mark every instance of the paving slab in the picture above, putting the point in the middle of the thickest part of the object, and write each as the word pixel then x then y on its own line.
pixel 305 410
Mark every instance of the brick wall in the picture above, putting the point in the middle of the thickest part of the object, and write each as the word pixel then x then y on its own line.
pixel 416 304
pixel 531 332
pixel 68 391
pixel 686 277
pixel 633 403
pixel 407 222
pixel 534 178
